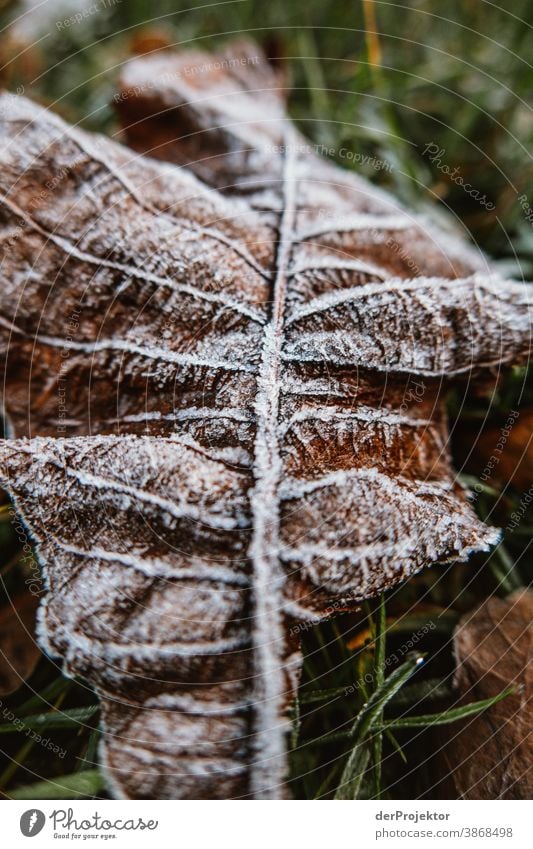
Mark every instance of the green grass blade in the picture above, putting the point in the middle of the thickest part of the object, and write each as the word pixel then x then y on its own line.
pixel 90 758
pixel 395 745
pixel 368 717
pixel 354 772
pixel 430 689
pixel 446 716
pixel 505 569
pixel 55 688
pixel 75 786
pixel 379 677
pixel 49 721
pixel 322 695
pixel 383 694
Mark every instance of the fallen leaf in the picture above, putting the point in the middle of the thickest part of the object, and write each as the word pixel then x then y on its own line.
pixel 149 39
pixel 500 453
pixel 491 755
pixel 233 389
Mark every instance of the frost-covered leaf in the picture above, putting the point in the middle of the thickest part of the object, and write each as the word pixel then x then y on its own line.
pixel 226 382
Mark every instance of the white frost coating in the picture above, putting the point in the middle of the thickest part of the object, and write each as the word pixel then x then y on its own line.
pixel 188 704
pixel 327 264
pixel 438 288
pixel 159 568
pixel 306 553
pixel 111 651
pixel 294 488
pixel 189 413
pixel 336 350
pixel 235 456
pixel 299 611
pixel 172 586
pixel 199 767
pixel 269 768
pixel 25 110
pixel 184 510
pixel 196 186
pixel 357 221
pixel 134 271
pixel 151 352
pixel 361 413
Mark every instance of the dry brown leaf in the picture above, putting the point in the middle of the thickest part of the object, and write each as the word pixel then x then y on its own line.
pixel 491 755
pixel 233 388
pixel 501 453
pixel 149 39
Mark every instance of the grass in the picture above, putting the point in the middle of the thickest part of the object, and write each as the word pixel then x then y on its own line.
pixel 381 80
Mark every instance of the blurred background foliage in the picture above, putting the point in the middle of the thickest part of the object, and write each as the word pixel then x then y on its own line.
pixel 382 80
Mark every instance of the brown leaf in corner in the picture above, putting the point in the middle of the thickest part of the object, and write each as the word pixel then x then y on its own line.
pixel 501 453
pixel 231 373
pixel 491 756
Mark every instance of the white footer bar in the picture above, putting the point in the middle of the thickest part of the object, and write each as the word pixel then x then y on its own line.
pixel 268 825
